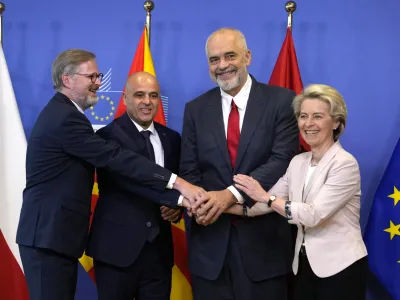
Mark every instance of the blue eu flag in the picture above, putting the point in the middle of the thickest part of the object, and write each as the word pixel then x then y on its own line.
pixel 383 230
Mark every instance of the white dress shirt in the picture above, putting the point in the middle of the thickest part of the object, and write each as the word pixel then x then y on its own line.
pixel 155 141
pixel 241 102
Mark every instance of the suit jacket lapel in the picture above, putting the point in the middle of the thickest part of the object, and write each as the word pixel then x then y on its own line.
pixel 326 159
pixel 165 143
pixel 254 110
pixel 303 174
pixel 216 120
pixel 134 140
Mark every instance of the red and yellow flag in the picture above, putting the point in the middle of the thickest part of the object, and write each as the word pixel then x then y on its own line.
pixel 181 284
pixel 142 62
pixel 286 72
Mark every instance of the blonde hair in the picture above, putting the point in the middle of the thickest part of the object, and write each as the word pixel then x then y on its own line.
pixel 335 101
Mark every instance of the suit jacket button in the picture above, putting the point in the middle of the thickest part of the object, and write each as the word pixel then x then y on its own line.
pixel 148 224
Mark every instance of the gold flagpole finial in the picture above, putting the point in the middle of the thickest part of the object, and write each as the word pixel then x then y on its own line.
pixel 2 9
pixel 290 7
pixel 148 6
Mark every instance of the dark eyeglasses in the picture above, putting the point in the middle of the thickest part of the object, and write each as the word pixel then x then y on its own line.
pixel 93 77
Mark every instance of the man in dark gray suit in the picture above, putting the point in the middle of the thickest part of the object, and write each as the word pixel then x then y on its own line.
pixel 242 127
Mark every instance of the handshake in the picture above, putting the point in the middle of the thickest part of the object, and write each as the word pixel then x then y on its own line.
pixel 206 207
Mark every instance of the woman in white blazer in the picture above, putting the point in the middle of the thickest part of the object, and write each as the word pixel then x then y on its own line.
pixel 320 192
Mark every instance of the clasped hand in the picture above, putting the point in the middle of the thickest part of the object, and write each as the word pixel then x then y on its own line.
pixel 208 209
pixel 205 206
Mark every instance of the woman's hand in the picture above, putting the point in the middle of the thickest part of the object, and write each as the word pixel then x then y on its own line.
pixel 251 187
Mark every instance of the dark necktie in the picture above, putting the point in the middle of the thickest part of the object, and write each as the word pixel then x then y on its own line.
pixel 149 146
pixel 233 133
pixel 150 154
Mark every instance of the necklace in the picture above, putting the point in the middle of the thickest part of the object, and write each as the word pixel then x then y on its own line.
pixel 313 162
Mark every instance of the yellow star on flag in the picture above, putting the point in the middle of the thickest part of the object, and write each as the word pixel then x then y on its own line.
pixel 393 230
pixel 395 196
pixel 108 98
pixel 102 96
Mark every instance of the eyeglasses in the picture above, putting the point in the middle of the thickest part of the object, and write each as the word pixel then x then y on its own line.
pixel 93 77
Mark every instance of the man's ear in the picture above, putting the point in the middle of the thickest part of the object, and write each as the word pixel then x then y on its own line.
pixel 66 79
pixel 248 57
pixel 124 96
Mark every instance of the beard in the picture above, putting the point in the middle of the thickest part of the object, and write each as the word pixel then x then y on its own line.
pixel 83 99
pixel 227 85
pixel 233 83
pixel 89 101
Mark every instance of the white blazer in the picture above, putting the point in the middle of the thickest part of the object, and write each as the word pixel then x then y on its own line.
pixel 328 207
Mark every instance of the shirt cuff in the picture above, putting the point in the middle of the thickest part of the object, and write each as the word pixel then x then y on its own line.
pixel 236 193
pixel 180 200
pixel 171 181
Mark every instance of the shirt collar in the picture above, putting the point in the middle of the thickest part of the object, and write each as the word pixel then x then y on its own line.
pixel 140 128
pixel 241 98
pixel 77 106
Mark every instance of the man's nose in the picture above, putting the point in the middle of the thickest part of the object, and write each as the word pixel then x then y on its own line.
pixel 146 99
pixel 223 64
pixel 97 81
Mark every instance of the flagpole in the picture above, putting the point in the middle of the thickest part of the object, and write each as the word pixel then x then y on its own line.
pixel 290 7
pixel 2 9
pixel 148 6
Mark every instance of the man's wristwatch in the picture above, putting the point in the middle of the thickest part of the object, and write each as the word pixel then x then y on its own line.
pixel 272 198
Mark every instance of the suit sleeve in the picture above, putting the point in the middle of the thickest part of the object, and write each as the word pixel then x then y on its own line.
pixel 79 140
pixel 167 197
pixel 189 163
pixel 284 148
pixel 342 184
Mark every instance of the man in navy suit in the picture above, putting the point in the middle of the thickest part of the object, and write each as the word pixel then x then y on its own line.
pixel 241 127
pixel 130 237
pixel 63 151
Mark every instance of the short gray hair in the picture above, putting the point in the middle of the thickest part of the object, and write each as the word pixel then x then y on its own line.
pixel 67 62
pixel 241 37
pixel 335 101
